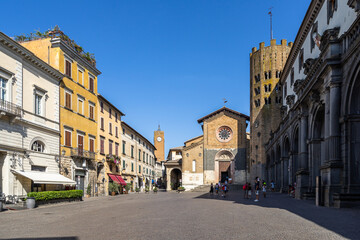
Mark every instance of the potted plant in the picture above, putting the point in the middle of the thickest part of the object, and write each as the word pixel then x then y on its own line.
pixel 127 188
pixel 181 189
pixel 137 189
pixel 88 191
pixel 147 189
pixel 155 189
pixel 113 187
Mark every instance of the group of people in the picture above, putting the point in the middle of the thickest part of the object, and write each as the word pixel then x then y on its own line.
pixel 259 186
pixel 219 188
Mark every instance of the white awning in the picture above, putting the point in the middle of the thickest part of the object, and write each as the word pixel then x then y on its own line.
pixel 46 178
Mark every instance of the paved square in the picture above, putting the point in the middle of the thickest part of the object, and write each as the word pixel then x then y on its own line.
pixel 169 215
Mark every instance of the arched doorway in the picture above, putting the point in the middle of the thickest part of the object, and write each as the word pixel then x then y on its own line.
pixel 175 178
pixel 295 157
pixel 278 163
pixel 224 166
pixel 354 130
pixel 317 145
pixel 287 167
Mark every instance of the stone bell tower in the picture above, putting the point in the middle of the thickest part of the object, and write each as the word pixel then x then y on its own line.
pixel 159 142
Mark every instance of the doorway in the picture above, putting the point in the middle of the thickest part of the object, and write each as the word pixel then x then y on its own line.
pixel 224 176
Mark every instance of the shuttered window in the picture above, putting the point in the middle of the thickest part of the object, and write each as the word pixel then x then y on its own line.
pixel 102 145
pixel 91 84
pixel 68 100
pixel 102 124
pixel 68 138
pixel 91 143
pixel 110 147
pixel 116 149
pixel 91 110
pixel 68 68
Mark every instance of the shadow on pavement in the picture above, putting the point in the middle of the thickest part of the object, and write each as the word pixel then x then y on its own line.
pixel 45 238
pixel 344 222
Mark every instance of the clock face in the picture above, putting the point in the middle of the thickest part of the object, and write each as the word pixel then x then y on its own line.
pixel 224 134
pixel 159 139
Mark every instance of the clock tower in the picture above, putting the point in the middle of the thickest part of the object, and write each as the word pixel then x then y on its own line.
pixel 159 143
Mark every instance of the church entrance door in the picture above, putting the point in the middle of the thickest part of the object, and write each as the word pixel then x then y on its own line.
pixel 224 176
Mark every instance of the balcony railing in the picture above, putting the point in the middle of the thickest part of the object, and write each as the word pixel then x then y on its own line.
pixel 81 153
pixel 10 108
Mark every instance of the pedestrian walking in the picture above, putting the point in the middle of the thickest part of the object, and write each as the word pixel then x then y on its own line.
pixel 211 189
pixel 272 186
pixel 264 190
pixel 257 188
pixel 245 188
pixel 249 190
pixel 217 189
pixel 225 189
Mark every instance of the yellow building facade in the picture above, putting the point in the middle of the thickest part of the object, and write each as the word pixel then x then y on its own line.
pixel 78 107
pixel 109 140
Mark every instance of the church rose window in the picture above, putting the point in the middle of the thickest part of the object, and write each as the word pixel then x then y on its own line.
pixel 224 134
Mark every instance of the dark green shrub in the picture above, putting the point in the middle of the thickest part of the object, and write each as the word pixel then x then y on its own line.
pixel 49 195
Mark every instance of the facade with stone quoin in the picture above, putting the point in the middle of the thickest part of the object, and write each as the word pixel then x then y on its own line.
pixel 318 139
pixel 220 154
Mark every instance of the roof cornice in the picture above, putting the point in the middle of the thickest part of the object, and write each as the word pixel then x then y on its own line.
pixel 304 29
pixel 109 103
pixel 222 110
pixel 58 42
pixel 127 125
pixel 29 56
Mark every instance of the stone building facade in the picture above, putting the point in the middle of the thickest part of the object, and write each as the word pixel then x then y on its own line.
pixel 266 65
pixel 320 130
pixel 220 154
pixel 29 122
pixel 78 106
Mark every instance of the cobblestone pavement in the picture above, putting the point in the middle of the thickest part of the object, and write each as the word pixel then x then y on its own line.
pixel 169 215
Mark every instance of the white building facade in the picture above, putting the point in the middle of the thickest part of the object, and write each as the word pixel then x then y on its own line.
pixel 29 122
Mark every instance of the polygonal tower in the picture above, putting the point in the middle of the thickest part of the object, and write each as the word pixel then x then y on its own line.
pixel 266 65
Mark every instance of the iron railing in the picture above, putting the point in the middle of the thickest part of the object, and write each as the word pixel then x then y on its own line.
pixel 81 153
pixel 10 108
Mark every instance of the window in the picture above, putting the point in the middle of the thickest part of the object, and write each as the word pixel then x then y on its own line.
pixel 117 168
pixel 38 168
pixel 80 143
pixel 269 74
pixel 301 59
pixel 147 158
pixel 266 101
pixel 124 131
pixel 68 68
pixel 139 155
pixel 80 76
pixel 91 84
pixel 123 147
pixel 266 75
pixel 124 166
pixel 110 167
pixel 266 88
pixel 292 76
pixel 38 104
pixel 91 145
pixel 110 128
pixel 91 111
pixel 68 99
pixel 132 151
pixel 101 107
pixel 132 167
pixel 110 147
pixel 315 37
pixel 139 169
pixel 38 146
pixel 3 90
pixel 67 138
pixel 116 116
pixel 132 136
pixel 81 106
pixel 193 165
pixel 102 145
pixel 147 171
pixel 102 124
pixel 144 157
pixel 332 6
pixel 116 131
pixel 269 87
pixel 116 149
pixel 109 112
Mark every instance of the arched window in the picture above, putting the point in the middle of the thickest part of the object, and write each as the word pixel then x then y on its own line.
pixel 38 146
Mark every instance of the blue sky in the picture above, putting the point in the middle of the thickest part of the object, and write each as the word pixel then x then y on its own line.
pixel 167 62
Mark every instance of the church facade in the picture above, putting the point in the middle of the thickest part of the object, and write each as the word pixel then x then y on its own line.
pixel 220 154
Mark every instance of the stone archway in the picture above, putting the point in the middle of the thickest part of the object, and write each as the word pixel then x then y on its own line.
pixel 224 166
pixel 287 165
pixel 175 178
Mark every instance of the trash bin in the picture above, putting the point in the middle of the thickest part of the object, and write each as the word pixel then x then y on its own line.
pixel 30 202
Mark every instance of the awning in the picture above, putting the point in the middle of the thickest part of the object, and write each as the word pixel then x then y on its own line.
pixel 46 178
pixel 117 178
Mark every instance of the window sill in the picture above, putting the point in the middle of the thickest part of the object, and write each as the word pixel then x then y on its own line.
pixel 81 114
pixel 69 109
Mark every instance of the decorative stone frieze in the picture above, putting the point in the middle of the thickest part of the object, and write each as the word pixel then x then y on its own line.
pixel 290 100
pixel 298 85
pixel 328 36
pixel 308 65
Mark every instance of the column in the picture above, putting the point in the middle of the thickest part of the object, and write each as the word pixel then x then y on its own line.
pixel 303 154
pixel 334 138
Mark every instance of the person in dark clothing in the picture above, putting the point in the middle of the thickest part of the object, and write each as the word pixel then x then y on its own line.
pixel 211 189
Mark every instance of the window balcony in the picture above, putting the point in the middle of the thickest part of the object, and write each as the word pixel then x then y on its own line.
pixel 10 109
pixel 81 153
